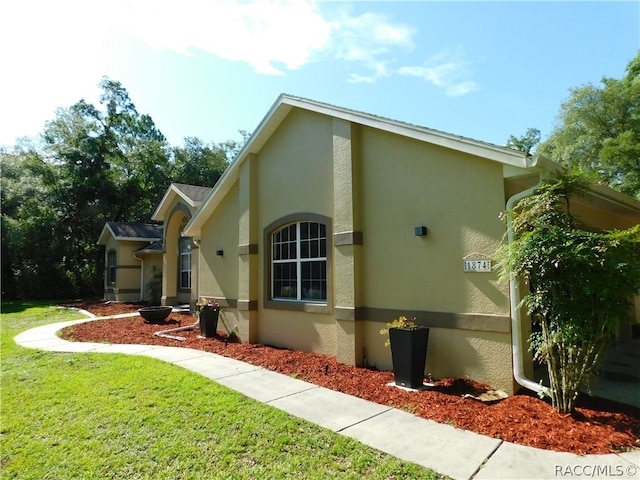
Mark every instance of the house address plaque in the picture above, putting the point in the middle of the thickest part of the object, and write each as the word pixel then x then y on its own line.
pixel 477 265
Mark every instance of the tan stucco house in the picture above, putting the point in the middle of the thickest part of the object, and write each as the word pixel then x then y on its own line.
pixel 133 260
pixel 180 257
pixel 331 222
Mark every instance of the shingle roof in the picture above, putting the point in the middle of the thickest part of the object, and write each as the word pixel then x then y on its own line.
pixel 143 232
pixel 147 231
pixel 194 192
pixel 152 247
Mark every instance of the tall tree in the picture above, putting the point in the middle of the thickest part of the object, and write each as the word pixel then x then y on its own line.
pixel 196 163
pixel 526 142
pixel 114 165
pixel 598 132
pixel 97 164
pixel 31 248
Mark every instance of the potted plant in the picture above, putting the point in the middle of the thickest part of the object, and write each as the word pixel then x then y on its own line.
pixel 408 342
pixel 208 311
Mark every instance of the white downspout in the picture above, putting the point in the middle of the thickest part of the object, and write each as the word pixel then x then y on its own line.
pixel 514 298
pixel 141 277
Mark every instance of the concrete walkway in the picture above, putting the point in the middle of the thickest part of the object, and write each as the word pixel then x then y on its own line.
pixel 450 451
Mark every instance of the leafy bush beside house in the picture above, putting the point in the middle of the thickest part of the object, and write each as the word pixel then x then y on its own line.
pixel 580 283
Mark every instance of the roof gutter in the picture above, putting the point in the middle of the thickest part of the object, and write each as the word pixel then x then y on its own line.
pixel 514 299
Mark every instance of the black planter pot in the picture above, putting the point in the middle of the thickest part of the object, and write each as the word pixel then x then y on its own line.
pixel 409 355
pixel 157 314
pixel 209 321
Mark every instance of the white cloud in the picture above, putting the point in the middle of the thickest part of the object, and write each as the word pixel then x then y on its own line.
pixel 55 52
pixel 269 35
pixel 369 40
pixel 368 36
pixel 446 70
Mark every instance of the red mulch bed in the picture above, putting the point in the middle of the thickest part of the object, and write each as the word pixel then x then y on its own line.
pixel 596 426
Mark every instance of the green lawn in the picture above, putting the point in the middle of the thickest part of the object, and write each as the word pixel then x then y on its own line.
pixel 89 416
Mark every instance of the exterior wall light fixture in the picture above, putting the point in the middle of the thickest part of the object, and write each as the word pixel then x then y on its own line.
pixel 219 253
pixel 421 231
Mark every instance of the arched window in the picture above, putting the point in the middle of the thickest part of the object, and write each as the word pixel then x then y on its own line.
pixel 112 260
pixel 299 262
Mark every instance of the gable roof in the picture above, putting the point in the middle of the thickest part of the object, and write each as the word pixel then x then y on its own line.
pixel 139 232
pixel 511 159
pixel 285 103
pixel 192 195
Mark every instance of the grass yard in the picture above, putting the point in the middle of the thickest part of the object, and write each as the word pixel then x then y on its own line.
pixel 100 416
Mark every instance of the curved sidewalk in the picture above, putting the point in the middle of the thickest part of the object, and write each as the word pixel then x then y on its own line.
pixel 459 454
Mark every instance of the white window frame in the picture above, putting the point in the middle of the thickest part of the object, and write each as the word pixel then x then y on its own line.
pixel 299 261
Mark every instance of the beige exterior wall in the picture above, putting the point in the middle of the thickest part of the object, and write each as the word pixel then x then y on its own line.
pixel 375 188
pixel 127 285
pixel 384 186
pixel 294 170
pixel 405 184
pixel 240 220
pixel 219 274
pixel 152 266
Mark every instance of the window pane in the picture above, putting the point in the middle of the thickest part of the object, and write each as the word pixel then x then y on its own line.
pixel 285 280
pixel 284 243
pixel 314 281
pixel 112 267
pixel 185 263
pixel 313 242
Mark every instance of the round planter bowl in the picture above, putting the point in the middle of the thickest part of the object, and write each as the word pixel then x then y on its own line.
pixel 155 314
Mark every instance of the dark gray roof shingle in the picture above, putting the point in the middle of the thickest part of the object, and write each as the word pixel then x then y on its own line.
pixel 143 231
pixel 194 192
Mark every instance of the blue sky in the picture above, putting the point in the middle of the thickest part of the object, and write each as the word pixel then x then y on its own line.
pixel 208 69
